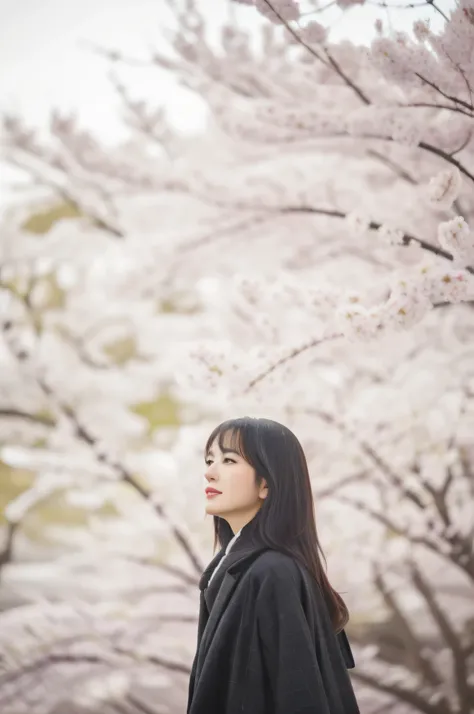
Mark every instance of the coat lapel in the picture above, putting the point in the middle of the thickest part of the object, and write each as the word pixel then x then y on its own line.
pixel 203 582
pixel 223 596
pixel 236 563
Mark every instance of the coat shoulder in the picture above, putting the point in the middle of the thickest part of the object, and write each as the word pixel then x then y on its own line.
pixel 274 566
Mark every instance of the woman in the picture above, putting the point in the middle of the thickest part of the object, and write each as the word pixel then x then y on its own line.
pixel 270 633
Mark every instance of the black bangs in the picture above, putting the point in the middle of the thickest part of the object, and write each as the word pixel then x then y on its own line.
pixel 230 435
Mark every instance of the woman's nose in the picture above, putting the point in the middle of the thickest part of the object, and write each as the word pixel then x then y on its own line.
pixel 210 472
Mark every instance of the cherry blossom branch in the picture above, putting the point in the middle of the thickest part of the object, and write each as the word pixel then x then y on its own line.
pixel 391 525
pixel 421 145
pixel 185 578
pixel 330 60
pixel 448 108
pixel 345 78
pixel 461 550
pixel 161 662
pixel 369 451
pixel 236 225
pixel 391 164
pixel 462 146
pixel 293 33
pixel 461 545
pixel 126 476
pixel 459 653
pixel 35 418
pixel 6 553
pixel 464 104
pixel 67 196
pixel 401 693
pixel 407 632
pixel 435 7
pixel 144 124
pixel 403 174
pixel 51 658
pixel 447 157
pixel 407 237
pixel 333 489
pixel 340 72
pixel 286 358
pixel 411 6
pixel 138 704
pixel 22 505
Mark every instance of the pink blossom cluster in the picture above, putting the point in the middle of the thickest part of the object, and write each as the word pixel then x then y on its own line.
pixel 436 62
pixel 279 11
pixel 313 33
pixel 411 299
pixel 401 124
pixel 456 237
pixel 444 188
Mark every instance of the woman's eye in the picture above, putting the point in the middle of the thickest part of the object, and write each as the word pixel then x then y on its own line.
pixel 231 461
pixel 208 462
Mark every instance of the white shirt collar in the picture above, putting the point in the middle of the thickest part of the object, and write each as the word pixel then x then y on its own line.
pixel 231 543
pixel 229 546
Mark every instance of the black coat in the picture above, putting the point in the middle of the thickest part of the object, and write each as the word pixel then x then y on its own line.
pixel 266 644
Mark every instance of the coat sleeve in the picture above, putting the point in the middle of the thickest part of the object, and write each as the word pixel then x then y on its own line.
pixel 288 652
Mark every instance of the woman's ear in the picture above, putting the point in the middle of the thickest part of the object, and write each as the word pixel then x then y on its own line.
pixel 263 490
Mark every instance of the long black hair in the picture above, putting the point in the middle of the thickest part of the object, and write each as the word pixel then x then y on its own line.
pixel 286 520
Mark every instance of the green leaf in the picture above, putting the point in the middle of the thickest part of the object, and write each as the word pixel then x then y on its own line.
pixel 42 221
pixel 161 412
pixel 121 351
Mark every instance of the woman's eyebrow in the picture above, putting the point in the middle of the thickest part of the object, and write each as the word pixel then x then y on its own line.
pixel 224 451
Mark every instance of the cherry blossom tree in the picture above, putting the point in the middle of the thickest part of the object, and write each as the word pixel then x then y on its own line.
pixel 308 258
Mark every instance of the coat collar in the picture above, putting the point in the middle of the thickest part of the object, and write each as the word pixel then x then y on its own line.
pixel 243 548
pixel 235 566
pixel 244 551
pixel 203 582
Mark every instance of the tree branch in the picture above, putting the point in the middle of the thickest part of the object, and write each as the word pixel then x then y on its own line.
pixel 461 546
pixel 407 237
pixel 369 451
pixel 333 489
pixel 126 476
pixel 398 170
pixel 385 521
pixel 67 196
pixel 51 658
pixel 448 108
pixel 405 630
pixel 464 104
pixel 460 656
pixel 35 418
pixel 185 578
pixel 286 358
pixel 402 694
pixel 6 554
pixel 330 60
pixel 447 157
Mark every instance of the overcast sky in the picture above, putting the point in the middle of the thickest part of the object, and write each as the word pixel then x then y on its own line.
pixel 44 62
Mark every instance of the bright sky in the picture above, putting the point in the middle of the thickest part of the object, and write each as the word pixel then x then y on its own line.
pixel 45 63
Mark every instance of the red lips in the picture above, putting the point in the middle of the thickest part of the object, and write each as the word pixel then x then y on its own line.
pixel 212 490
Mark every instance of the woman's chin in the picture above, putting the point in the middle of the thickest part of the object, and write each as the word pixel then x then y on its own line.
pixel 212 509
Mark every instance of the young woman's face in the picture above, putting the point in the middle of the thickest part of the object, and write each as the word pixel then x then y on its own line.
pixel 240 498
